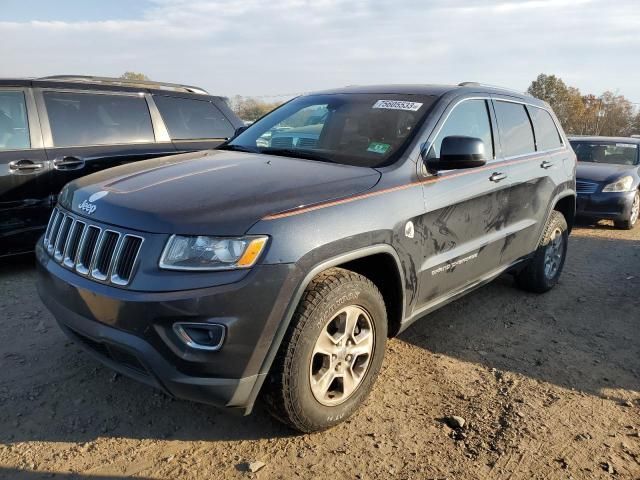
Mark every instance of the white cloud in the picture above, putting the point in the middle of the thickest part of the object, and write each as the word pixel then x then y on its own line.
pixel 254 47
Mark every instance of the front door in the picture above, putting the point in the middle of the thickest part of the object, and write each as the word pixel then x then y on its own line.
pixel 464 224
pixel 24 192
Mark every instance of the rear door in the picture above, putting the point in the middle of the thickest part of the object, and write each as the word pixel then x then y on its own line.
pixel 194 123
pixel 24 192
pixel 463 225
pixel 88 131
pixel 533 158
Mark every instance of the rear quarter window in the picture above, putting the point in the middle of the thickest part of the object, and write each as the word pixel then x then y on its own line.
pixel 515 129
pixel 189 119
pixel 82 119
pixel 14 126
pixel 547 135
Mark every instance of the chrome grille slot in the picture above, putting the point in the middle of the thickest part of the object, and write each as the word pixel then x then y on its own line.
pixel 87 249
pixel 71 250
pixel 63 235
pixel 55 228
pixel 126 259
pixel 47 233
pixel 104 254
pixel 586 187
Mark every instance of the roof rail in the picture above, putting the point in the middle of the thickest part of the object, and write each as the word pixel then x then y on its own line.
pixel 478 84
pixel 126 82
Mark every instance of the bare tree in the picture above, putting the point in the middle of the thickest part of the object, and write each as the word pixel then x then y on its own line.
pixel 609 114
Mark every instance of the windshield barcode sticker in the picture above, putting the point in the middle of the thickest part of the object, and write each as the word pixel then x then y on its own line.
pixel 626 145
pixel 398 105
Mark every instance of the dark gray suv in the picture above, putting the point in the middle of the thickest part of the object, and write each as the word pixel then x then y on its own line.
pixel 280 264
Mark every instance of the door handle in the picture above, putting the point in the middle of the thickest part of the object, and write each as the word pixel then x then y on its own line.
pixel 68 163
pixel 497 176
pixel 25 166
pixel 546 164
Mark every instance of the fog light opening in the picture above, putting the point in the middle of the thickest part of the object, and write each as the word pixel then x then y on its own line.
pixel 201 336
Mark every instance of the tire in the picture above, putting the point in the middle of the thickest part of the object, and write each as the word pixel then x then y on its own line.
pixel 301 369
pixel 542 272
pixel 629 223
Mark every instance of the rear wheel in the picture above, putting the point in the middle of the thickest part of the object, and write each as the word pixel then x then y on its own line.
pixel 633 215
pixel 331 354
pixel 544 269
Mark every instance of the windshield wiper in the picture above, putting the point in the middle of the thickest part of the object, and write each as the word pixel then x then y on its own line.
pixel 238 148
pixel 296 153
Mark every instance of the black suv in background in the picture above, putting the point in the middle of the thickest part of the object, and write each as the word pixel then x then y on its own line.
pixel 281 263
pixel 56 129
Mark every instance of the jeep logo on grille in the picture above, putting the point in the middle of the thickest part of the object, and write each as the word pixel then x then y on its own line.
pixel 89 207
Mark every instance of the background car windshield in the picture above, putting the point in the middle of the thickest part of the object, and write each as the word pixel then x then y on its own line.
pixel 354 129
pixel 598 152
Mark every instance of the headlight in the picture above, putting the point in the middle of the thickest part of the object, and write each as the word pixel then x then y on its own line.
pixel 211 253
pixel 621 185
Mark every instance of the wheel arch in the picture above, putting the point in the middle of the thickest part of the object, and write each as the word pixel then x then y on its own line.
pixel 566 205
pixel 360 261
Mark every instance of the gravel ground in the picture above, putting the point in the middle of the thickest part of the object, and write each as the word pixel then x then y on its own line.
pixel 548 386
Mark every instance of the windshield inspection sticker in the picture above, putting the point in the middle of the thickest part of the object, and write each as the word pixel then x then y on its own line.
pixel 376 147
pixel 397 105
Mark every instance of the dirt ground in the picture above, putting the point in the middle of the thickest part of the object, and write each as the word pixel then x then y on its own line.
pixel 549 387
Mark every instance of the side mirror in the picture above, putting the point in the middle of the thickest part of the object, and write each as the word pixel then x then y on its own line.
pixel 459 152
pixel 241 129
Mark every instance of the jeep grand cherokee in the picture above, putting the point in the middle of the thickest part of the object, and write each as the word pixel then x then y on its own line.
pixel 281 268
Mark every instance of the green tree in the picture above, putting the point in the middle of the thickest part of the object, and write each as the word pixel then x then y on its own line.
pixel 134 76
pixel 250 109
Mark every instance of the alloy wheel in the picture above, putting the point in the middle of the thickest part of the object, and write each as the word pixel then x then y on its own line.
pixel 554 253
pixel 341 355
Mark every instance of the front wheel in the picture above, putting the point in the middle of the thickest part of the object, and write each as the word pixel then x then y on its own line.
pixel 543 270
pixel 331 354
pixel 633 215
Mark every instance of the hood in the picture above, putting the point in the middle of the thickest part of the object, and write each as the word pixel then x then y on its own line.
pixel 601 172
pixel 215 192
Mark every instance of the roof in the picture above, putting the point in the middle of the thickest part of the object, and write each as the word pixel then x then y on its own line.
pixel 433 90
pixel 103 83
pixel 578 138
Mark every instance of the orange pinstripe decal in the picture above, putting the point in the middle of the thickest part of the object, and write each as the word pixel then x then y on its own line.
pixel 298 211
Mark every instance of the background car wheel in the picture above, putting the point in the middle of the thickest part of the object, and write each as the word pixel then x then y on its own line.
pixel 331 354
pixel 543 270
pixel 633 216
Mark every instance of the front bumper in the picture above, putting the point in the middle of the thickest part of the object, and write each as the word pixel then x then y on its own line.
pixel 132 332
pixel 611 205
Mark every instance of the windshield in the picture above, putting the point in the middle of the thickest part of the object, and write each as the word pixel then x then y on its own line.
pixel 606 152
pixel 364 130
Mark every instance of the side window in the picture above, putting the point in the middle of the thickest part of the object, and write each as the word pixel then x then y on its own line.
pixel 547 135
pixel 515 129
pixel 189 119
pixel 14 126
pixel 81 119
pixel 469 119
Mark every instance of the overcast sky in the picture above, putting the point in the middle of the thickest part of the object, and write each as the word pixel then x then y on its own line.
pixel 270 47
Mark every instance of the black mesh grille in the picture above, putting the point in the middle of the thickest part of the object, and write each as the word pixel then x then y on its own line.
pixel 61 240
pixel 74 242
pixel 88 247
pixel 127 259
pixel 105 254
